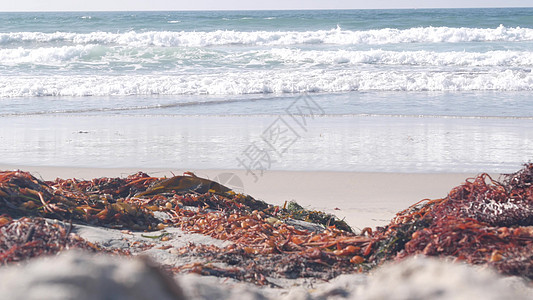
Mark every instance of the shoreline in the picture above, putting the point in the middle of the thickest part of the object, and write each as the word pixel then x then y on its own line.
pixel 361 199
pixel 351 144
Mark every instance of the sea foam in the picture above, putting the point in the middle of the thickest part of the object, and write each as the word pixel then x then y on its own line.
pixel 261 38
pixel 261 82
pixel 89 55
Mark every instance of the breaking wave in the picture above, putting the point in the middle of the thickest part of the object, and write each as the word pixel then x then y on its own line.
pixel 261 38
pixel 263 82
pixel 105 56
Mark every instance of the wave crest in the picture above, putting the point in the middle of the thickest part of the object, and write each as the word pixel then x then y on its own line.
pixel 88 55
pixel 271 38
pixel 260 82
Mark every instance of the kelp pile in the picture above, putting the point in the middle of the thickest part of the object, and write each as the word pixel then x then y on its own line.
pixel 264 242
pixel 195 205
pixel 97 202
pixel 30 237
pixel 261 268
pixel 482 221
pixel 264 248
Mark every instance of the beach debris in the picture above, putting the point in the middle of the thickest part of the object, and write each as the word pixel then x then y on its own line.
pixel 262 246
pixel 482 221
pixel 95 202
pixel 195 205
pixel 298 212
pixel 240 263
pixel 32 237
pixel 186 184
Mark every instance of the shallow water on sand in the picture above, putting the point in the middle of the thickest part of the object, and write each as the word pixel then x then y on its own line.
pixel 270 142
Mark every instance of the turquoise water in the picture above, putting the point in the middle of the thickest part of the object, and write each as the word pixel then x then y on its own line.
pixel 264 52
pixel 448 65
pixel 308 20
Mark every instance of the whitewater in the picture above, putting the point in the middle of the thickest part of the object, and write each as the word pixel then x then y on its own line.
pixel 444 65
pixel 335 36
pixel 242 53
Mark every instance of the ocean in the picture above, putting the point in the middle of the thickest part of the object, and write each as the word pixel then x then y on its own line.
pixel 424 90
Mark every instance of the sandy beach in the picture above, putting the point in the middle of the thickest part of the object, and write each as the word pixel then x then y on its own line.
pixel 306 152
pixel 361 199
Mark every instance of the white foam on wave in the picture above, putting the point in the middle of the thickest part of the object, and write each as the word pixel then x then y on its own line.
pixel 334 36
pixel 50 55
pixel 412 58
pixel 260 82
pixel 285 56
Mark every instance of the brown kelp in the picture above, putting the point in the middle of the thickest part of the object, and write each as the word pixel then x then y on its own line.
pixel 30 237
pixel 97 202
pixel 263 241
pixel 196 205
pixel 483 221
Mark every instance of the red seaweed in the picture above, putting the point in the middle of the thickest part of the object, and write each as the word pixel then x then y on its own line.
pixel 31 237
pixel 482 221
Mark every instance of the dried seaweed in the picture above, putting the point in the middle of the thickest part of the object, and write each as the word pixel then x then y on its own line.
pixel 238 263
pixel 296 211
pixel 31 237
pixel 96 202
pixel 482 221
